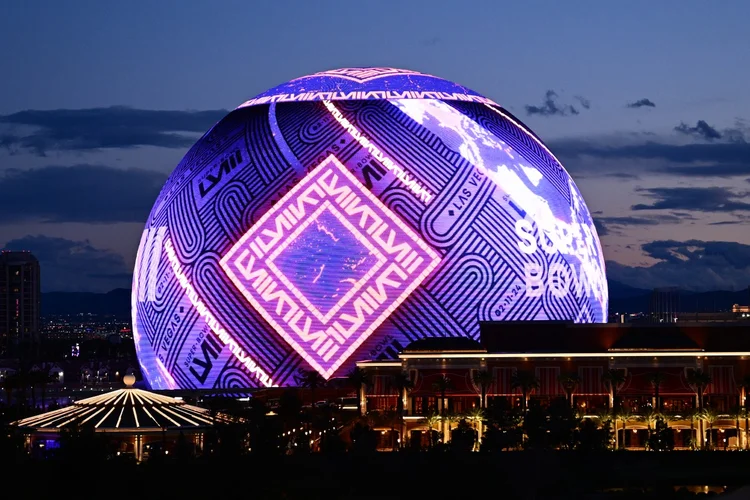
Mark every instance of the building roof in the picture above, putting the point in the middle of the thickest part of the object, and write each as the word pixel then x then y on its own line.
pixel 445 344
pixel 671 339
pixel 601 338
pixel 124 410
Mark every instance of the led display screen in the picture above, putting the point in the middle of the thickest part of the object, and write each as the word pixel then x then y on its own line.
pixel 343 215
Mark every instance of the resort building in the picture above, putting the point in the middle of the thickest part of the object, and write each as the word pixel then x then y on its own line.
pixel 696 376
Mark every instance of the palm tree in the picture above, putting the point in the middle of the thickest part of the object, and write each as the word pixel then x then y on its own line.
pixel 698 380
pixel 650 416
pixel 656 379
pixel 569 383
pixel 612 380
pixel 310 379
pixel 709 415
pixel 402 383
pixel 738 413
pixel 693 414
pixel 431 419
pixel 605 416
pixel 624 415
pixel 442 385
pixel 484 379
pixel 360 379
pixel 477 416
pixel 527 382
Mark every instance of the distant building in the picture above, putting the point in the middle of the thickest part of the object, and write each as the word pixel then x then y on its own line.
pixel 20 299
pixel 665 304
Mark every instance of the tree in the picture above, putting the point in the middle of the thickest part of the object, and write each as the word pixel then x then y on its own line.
pixel 662 438
pixel 650 416
pixel 562 424
pixel 463 437
pixel 738 413
pixel 81 445
pixel 477 416
pixel 442 385
pixel 431 420
pixel 364 438
pixel 710 416
pixel 484 379
pixel 656 379
pixel 698 380
pixel 624 415
pixel 592 437
pixel 402 383
pixel 360 379
pixel 310 379
pixel 527 382
pixel 569 383
pixel 613 379
pixel 535 426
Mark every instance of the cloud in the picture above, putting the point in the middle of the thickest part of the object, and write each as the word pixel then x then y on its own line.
pixel 78 193
pixel 623 175
pixel 113 127
pixel 601 228
pixel 550 106
pixel 641 103
pixel 606 224
pixel 585 103
pixel 702 130
pixel 716 159
pixel 692 265
pixel 695 199
pixel 68 265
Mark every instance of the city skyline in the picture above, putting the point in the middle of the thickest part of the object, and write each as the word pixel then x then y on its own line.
pixel 651 122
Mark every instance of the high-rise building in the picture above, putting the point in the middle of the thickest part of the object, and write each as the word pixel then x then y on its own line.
pixel 20 299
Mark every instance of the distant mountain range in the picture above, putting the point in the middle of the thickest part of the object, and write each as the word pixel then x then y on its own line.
pixel 623 298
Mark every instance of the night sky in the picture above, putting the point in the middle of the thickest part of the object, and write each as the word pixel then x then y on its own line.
pixel 646 104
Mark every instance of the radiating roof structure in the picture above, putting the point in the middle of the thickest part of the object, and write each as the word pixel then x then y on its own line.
pixel 128 410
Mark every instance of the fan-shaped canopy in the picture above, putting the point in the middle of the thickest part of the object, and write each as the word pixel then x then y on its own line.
pixel 124 410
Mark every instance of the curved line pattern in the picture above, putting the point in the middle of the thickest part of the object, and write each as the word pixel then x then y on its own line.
pixel 185 228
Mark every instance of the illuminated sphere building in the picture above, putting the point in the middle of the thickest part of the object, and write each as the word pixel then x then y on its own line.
pixel 343 215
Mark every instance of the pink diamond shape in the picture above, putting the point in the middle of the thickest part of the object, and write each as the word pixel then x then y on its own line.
pixel 396 261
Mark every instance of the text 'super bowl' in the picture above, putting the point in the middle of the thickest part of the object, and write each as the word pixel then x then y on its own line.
pixel 343 215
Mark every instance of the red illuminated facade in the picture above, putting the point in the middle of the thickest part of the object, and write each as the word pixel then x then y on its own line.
pixel 581 363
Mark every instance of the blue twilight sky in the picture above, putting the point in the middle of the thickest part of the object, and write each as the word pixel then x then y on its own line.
pixel 646 103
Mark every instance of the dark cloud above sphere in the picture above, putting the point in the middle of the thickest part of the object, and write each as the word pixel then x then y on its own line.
pixel 71 266
pixel 606 156
pixel 98 128
pixel 692 265
pixel 697 199
pixel 701 130
pixel 78 193
pixel 551 106
pixel 641 103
